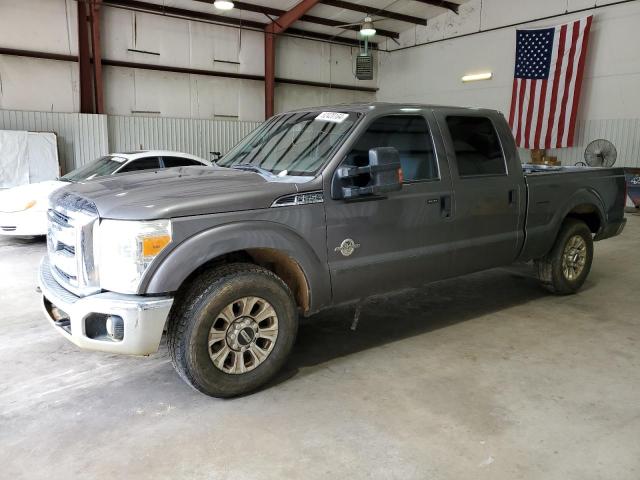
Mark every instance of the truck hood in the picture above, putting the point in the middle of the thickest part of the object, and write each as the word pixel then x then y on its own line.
pixel 180 192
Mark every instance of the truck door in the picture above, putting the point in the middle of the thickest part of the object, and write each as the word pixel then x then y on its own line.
pixel 488 190
pixel 378 244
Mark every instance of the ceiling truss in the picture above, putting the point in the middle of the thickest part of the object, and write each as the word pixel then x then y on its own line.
pixel 272 14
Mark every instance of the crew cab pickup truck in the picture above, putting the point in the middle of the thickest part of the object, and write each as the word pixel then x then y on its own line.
pixel 315 208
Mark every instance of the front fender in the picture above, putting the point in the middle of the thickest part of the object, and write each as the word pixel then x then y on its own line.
pixel 185 258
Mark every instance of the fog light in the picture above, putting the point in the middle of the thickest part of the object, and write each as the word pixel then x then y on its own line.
pixel 115 327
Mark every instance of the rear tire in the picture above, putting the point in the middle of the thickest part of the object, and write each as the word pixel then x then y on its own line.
pixel 565 268
pixel 232 330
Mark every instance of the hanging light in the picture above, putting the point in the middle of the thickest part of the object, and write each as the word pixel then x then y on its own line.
pixel 223 4
pixel 367 29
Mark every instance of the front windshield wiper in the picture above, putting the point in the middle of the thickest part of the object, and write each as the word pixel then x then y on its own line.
pixel 253 168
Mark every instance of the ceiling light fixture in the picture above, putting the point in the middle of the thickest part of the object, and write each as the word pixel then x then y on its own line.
pixel 367 29
pixel 223 4
pixel 477 76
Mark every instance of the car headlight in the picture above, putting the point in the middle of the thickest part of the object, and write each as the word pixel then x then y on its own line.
pixel 125 248
pixel 8 206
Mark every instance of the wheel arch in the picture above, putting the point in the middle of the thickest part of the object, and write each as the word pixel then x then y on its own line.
pixel 585 205
pixel 273 246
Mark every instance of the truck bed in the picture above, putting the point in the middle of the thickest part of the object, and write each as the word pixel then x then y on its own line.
pixel 552 192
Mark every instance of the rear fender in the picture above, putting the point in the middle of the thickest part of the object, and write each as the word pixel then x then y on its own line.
pixel 586 196
pixel 541 239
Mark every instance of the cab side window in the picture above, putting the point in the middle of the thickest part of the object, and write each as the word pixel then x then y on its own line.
pixel 170 162
pixel 478 150
pixel 409 134
pixel 148 163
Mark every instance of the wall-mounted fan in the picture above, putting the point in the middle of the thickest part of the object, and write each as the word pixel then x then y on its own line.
pixel 600 153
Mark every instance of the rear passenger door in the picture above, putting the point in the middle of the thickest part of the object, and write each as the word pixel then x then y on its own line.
pixel 487 223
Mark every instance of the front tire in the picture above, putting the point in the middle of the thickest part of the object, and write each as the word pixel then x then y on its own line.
pixel 232 330
pixel 566 267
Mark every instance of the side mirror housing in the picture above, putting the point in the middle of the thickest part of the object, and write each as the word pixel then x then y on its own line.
pixel 380 176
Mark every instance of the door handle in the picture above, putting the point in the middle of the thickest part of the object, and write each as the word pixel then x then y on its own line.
pixel 512 196
pixel 445 206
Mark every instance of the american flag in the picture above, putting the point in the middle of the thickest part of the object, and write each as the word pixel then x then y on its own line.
pixel 546 85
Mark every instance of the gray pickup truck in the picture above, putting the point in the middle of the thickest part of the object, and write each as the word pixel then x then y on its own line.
pixel 315 208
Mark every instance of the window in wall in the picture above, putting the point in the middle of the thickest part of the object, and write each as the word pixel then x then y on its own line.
pixel 477 147
pixel 141 164
pixel 409 134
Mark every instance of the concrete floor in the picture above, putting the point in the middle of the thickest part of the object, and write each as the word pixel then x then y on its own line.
pixel 483 377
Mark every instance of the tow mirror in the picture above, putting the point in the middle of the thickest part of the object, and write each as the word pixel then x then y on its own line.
pixel 382 175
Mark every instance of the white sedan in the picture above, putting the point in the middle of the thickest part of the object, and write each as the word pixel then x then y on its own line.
pixel 23 209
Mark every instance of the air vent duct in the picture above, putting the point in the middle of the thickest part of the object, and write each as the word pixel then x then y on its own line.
pixel 364 66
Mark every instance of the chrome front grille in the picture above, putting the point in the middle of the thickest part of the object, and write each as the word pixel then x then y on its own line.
pixel 70 243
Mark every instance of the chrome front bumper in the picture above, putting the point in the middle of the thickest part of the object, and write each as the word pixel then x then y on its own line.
pixel 144 317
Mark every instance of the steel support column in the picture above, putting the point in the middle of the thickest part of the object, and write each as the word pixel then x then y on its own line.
pixel 276 27
pixel 86 97
pixel 97 56
pixel 269 73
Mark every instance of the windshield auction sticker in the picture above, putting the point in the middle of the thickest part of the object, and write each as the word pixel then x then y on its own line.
pixel 335 117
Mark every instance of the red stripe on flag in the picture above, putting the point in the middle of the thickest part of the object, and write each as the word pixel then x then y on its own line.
pixel 532 97
pixel 514 92
pixel 541 118
pixel 567 82
pixel 581 62
pixel 554 90
pixel 523 87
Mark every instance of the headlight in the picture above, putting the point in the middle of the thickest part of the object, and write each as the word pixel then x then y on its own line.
pixel 126 248
pixel 9 206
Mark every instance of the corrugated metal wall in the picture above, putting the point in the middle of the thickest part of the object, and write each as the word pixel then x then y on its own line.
pixel 198 137
pixel 623 133
pixel 85 137
pixel 81 137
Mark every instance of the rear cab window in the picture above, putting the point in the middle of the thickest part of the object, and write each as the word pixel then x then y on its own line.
pixel 477 146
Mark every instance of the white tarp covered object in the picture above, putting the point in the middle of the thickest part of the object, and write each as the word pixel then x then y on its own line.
pixel 42 149
pixel 14 160
pixel 27 157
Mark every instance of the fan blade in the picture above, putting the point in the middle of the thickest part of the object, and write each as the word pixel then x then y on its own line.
pixel 348 25
pixel 600 153
pixel 371 19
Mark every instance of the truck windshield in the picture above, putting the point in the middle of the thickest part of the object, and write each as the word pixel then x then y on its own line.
pixel 295 144
pixel 98 168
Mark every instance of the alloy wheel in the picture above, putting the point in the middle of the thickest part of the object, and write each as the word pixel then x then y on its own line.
pixel 243 335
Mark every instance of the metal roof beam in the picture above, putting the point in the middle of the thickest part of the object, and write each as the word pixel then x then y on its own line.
pixel 271 13
pixel 441 3
pixel 157 9
pixel 375 11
